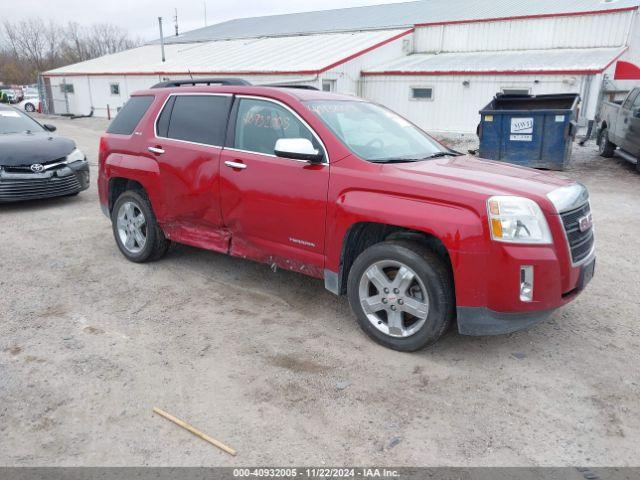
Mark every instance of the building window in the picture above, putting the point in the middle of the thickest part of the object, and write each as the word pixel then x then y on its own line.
pixel 66 88
pixel 421 93
pixel 516 91
pixel 115 88
pixel 328 85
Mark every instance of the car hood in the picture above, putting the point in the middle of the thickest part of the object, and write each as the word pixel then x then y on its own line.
pixel 483 177
pixel 23 149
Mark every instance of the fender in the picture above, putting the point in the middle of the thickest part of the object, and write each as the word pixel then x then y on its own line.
pixel 141 169
pixel 460 229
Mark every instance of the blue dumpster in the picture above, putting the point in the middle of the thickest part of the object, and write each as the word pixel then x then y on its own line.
pixel 530 130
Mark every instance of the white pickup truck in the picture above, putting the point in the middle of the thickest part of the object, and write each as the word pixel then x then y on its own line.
pixel 619 128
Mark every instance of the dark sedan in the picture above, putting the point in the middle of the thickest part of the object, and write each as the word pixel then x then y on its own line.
pixel 34 163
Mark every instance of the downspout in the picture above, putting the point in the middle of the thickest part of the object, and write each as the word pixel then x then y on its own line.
pixel 587 97
pixel 90 93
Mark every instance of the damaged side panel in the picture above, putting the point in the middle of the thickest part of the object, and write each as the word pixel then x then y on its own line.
pixel 218 241
pixel 276 257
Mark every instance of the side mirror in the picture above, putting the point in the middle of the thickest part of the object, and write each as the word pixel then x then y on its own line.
pixel 298 149
pixel 49 127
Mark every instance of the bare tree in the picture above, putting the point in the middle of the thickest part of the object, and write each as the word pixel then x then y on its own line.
pixel 34 40
pixel 29 47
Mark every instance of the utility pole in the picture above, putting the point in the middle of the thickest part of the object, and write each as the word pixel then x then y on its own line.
pixel 161 38
pixel 176 21
pixel 205 13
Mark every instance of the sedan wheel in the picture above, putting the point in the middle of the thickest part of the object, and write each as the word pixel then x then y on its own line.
pixel 394 298
pixel 132 227
pixel 29 107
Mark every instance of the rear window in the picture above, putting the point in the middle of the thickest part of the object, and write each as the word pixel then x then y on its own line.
pixel 195 118
pixel 132 112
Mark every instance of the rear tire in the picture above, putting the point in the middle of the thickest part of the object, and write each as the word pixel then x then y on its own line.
pixel 29 107
pixel 407 292
pixel 605 147
pixel 136 230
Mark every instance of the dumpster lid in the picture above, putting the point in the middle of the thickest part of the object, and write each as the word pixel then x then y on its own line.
pixel 561 101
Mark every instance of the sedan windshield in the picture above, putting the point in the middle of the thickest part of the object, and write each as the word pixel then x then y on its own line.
pixel 376 134
pixel 13 121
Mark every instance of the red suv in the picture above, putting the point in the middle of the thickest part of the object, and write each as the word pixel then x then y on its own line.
pixel 334 187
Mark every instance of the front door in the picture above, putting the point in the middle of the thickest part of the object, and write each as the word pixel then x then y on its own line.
pixel 621 131
pixel 632 133
pixel 189 135
pixel 274 208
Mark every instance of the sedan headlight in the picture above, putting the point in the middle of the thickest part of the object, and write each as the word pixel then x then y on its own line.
pixel 75 156
pixel 517 220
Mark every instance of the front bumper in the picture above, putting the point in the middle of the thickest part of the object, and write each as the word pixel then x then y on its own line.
pixel 67 179
pixel 479 321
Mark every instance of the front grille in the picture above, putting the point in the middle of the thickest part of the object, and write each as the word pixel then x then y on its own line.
pixel 580 243
pixel 27 168
pixel 14 189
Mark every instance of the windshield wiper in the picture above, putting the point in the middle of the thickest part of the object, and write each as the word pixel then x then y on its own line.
pixel 442 154
pixel 410 160
pixel 397 160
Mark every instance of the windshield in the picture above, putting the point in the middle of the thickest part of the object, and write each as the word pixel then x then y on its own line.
pixel 376 134
pixel 12 121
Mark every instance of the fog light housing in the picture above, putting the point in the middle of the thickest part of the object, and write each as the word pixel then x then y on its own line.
pixel 526 283
pixel 84 178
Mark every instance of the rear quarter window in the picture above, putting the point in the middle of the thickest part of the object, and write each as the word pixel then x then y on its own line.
pixel 130 115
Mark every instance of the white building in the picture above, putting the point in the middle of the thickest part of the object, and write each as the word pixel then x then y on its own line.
pixel 436 61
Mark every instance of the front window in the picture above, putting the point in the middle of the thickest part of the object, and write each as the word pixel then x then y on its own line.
pixel 376 134
pixel 262 123
pixel 13 121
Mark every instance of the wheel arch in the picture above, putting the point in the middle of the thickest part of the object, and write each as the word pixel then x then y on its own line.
pixel 119 185
pixel 362 235
pixel 601 128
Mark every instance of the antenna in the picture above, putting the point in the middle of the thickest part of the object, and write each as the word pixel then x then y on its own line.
pixel 205 13
pixel 161 38
pixel 175 19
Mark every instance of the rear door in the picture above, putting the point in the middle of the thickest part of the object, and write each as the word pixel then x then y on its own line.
pixel 274 208
pixel 189 134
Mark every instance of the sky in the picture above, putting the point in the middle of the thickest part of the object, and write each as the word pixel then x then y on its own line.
pixel 140 17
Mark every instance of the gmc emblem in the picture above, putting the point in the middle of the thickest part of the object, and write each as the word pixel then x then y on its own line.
pixel 585 223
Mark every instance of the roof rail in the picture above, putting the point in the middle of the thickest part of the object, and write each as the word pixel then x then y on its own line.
pixel 300 87
pixel 202 81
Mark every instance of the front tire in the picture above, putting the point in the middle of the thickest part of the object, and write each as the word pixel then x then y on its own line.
pixel 606 149
pixel 136 230
pixel 30 107
pixel 402 295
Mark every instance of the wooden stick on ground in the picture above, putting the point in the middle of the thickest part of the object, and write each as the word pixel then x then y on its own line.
pixel 195 431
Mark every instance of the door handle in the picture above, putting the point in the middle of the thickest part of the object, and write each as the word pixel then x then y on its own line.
pixel 156 150
pixel 238 165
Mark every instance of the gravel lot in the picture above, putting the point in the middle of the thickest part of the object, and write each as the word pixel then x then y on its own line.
pixel 276 367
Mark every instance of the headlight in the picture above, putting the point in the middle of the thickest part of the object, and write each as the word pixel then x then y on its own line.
pixel 517 220
pixel 75 156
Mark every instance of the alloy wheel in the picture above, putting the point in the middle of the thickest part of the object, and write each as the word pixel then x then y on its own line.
pixel 394 298
pixel 132 227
